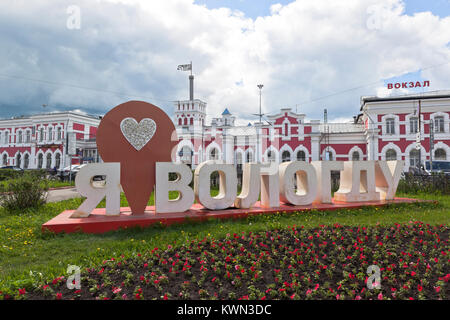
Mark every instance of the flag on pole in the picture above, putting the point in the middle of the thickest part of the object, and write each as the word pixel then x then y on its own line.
pixel 185 67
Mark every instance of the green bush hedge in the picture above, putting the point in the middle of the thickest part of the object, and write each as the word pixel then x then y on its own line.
pixel 436 183
pixel 8 174
pixel 28 190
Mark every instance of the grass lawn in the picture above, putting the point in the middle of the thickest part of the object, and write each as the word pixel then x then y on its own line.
pixel 29 258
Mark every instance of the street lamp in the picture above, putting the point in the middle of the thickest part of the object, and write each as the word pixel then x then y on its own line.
pixel 258 153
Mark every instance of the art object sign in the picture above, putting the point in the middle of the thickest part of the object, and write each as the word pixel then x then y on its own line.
pixel 137 142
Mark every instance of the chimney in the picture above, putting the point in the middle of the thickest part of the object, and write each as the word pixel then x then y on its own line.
pixel 191 87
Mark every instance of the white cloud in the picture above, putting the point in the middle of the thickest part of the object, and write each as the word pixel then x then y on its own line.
pixel 302 52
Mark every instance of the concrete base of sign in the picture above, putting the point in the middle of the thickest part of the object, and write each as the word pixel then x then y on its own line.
pixel 99 222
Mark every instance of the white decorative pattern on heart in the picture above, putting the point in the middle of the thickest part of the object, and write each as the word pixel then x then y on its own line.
pixel 138 134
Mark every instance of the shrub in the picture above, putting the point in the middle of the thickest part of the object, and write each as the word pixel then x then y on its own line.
pixel 435 183
pixel 26 191
pixel 7 174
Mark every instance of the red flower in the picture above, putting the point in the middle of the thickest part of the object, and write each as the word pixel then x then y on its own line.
pixel 22 291
pixel 58 296
pixel 420 288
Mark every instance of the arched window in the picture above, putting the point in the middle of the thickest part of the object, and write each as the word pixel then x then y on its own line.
pixel 28 136
pixel 40 160
pixel 191 121
pixel 57 160
pixel 270 156
pixel 391 155
pixel 213 155
pixel 249 157
pixel 390 126
pixel 413 125
pixel 6 137
pixel 180 121
pixel 18 160
pixel 48 162
pixel 26 161
pixel 186 155
pixel 59 133
pixel 301 156
pixel 439 124
pixel 41 134
pixel 50 134
pixel 414 158
pixel 355 156
pixel 328 155
pixel 239 161
pixel 285 156
pixel 440 154
pixel 19 137
pixel 5 160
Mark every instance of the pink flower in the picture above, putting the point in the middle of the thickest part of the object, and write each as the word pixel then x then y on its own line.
pixel 58 296
pixel 358 297
pixel 308 292
pixel 337 297
pixel 380 296
pixel 437 289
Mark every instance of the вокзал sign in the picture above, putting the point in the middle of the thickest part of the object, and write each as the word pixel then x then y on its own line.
pixel 137 142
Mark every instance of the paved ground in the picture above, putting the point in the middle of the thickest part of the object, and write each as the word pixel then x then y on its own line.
pixel 62 194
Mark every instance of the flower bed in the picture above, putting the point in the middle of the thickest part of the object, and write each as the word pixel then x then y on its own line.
pixel 329 262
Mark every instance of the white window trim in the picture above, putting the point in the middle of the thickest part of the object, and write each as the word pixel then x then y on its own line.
pixel 396 126
pixel 446 122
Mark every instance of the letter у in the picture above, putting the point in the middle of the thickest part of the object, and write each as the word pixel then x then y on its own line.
pixel 357 182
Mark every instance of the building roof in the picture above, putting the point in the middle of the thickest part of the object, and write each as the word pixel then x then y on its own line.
pixel 412 96
pixel 226 112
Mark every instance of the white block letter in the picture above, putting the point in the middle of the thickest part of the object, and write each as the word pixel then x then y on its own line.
pixel 111 190
pixel 323 171
pixel 270 185
pixel 186 195
pixel 306 182
pixel 387 177
pixel 250 186
pixel 357 182
pixel 227 185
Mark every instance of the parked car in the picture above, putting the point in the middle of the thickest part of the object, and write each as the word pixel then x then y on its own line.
pixel 418 171
pixel 65 173
pixel 439 166
pixel 70 171
pixel 12 168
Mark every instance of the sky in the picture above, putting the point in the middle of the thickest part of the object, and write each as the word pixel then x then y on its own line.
pixel 90 55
